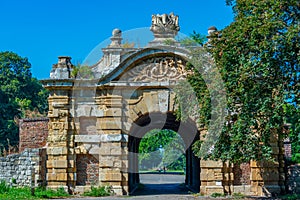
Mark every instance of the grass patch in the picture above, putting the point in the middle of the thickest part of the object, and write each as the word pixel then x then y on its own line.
pixel 3 187
pixel 238 196
pixel 98 191
pixel 290 197
pixel 7 192
pixel 215 195
pixel 17 193
pixel 49 193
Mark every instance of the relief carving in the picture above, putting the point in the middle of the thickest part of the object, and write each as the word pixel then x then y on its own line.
pixel 161 69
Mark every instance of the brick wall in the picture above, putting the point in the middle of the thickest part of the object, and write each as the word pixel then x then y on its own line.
pixel 87 169
pixel 33 133
pixel 241 174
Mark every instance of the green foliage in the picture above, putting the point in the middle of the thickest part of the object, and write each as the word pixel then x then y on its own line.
pixel 290 197
pixel 160 148
pixel 3 187
pixel 215 195
pixel 293 120
pixel 7 192
pixel 238 195
pixel 99 191
pixel 41 192
pixel 258 58
pixel 14 181
pixel 169 42
pixel 198 38
pixel 82 72
pixel 19 93
pixel 174 154
pixel 195 39
pixel 17 193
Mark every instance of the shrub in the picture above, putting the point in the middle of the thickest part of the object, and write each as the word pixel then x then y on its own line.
pixel 217 195
pixel 98 191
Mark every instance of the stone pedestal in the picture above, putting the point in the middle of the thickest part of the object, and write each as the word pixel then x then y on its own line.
pixel 211 177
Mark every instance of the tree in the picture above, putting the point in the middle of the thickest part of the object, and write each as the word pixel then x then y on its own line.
pixel 174 154
pixel 159 148
pixel 19 94
pixel 258 58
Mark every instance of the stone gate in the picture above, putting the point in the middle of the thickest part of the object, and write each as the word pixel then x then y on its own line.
pixel 98 115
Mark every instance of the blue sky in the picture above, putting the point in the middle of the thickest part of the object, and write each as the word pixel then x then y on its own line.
pixel 43 30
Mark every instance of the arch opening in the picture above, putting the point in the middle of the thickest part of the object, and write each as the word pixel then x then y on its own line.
pixel 188 134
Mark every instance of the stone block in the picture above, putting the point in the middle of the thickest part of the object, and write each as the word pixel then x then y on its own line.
pixel 113 112
pixel 111 176
pixel 115 151
pixel 110 123
pixel 88 138
pixel 57 177
pixel 106 163
pixel 203 176
pixel 117 164
pixel 60 164
pixel 54 171
pixel 57 164
pixel 211 164
pixel 163 100
pixel 209 190
pixel 256 175
pixel 141 108
pixel 101 131
pixel 57 150
pixel 243 189
pixel 172 101
pixel 151 103
pixel 111 137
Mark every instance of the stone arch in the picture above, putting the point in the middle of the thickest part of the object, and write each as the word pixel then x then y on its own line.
pixel 157 120
pixel 125 93
pixel 130 60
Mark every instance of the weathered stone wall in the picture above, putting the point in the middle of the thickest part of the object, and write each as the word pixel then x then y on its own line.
pixel 293 179
pixel 23 168
pixel 33 133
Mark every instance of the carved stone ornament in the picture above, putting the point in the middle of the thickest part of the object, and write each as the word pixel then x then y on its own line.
pixel 165 23
pixel 162 69
pixel 164 27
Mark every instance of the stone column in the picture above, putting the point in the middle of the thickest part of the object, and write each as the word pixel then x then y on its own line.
pixel 60 152
pixel 113 148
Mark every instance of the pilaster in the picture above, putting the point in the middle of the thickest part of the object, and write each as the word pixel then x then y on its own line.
pixel 60 152
pixel 113 161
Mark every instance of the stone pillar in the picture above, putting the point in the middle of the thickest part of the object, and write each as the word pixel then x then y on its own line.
pixel 113 148
pixel 60 152
pixel 212 177
pixel 268 178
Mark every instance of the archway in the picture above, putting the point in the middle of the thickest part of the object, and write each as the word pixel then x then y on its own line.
pixel 156 120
